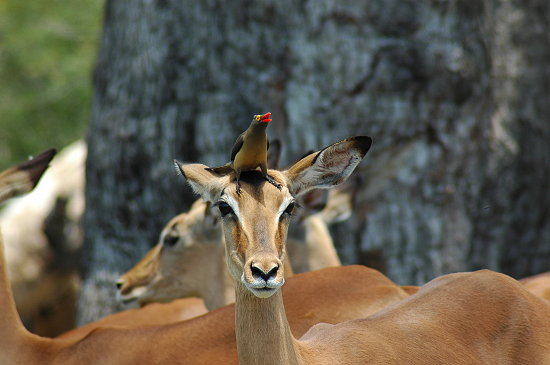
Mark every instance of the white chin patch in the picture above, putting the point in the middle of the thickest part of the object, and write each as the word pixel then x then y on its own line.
pixel 134 295
pixel 262 289
pixel 263 293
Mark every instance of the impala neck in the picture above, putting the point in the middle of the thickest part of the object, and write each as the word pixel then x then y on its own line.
pixel 12 331
pixel 320 245
pixel 219 291
pixel 204 274
pixel 263 333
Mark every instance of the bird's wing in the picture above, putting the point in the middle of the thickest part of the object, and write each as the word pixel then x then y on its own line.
pixel 237 146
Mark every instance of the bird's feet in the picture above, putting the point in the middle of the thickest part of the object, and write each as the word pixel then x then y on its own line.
pixel 273 182
pixel 238 188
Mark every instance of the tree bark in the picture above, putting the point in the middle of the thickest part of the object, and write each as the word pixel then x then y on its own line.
pixel 453 93
pixel 513 230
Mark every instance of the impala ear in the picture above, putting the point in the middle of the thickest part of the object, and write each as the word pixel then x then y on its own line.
pixel 328 167
pixel 23 178
pixel 197 204
pixel 274 154
pixel 207 184
pixel 210 217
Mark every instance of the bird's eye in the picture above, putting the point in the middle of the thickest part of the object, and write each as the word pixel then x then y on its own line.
pixel 170 240
pixel 257 117
pixel 224 208
pixel 289 209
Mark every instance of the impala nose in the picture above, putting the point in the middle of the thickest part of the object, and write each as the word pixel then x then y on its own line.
pixel 119 284
pixel 265 273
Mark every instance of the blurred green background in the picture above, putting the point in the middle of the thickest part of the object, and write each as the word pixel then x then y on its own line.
pixel 47 53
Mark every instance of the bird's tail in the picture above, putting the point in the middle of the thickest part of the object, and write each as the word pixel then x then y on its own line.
pixel 221 170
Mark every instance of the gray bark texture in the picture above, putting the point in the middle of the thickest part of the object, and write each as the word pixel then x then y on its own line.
pixel 454 94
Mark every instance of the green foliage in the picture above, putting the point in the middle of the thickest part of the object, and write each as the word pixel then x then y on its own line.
pixel 47 52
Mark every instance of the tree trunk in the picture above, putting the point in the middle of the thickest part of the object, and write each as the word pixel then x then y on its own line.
pixel 513 223
pixel 456 176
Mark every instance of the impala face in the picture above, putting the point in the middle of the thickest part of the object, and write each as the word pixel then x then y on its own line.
pixel 255 226
pixel 164 272
pixel 255 223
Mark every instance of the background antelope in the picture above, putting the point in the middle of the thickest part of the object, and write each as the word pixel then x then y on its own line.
pixel 538 285
pixel 43 237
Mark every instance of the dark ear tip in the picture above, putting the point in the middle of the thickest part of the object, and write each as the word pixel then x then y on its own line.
pixel 41 159
pixel 363 143
pixel 38 164
pixel 47 155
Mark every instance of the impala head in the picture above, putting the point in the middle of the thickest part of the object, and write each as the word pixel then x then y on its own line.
pixel 255 223
pixel 163 273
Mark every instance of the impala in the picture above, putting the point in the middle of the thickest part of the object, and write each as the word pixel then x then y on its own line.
pixel 469 318
pixel 42 233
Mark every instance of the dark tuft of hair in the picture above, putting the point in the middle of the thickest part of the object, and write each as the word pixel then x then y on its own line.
pixel 37 165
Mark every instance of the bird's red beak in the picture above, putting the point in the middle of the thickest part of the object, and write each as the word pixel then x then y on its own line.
pixel 265 118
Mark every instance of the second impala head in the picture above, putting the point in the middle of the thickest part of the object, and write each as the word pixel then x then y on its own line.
pixel 169 270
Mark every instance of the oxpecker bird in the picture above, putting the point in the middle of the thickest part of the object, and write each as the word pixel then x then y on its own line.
pixel 250 151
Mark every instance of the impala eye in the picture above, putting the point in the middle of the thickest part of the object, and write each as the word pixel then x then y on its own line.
pixel 224 208
pixel 289 209
pixel 170 240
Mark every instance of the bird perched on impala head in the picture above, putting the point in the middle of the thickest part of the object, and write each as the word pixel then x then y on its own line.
pixel 249 152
